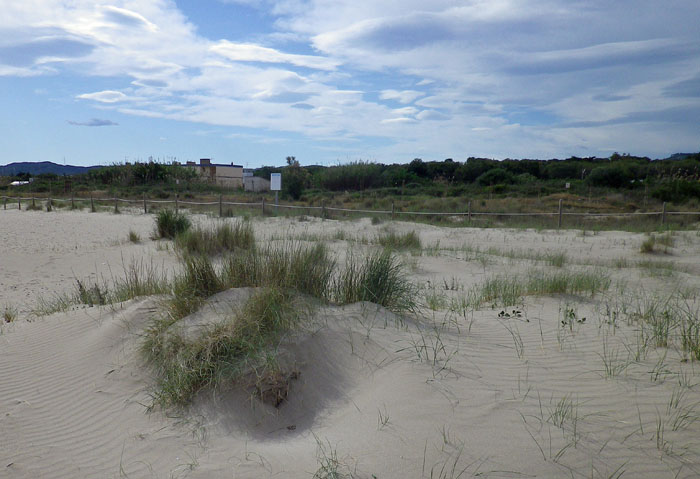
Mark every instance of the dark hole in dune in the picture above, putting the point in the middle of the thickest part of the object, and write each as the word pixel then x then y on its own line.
pixel 273 388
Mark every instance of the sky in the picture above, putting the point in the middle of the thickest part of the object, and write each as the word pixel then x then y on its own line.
pixel 335 81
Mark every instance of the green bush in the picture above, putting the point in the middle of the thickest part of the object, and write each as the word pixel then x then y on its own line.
pixel 496 176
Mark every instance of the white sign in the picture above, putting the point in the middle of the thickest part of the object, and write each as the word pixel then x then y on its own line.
pixel 275 181
pixel 568 185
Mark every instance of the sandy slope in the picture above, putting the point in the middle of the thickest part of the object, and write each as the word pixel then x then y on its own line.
pixel 427 396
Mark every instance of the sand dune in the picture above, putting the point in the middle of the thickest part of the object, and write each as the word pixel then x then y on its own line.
pixel 437 394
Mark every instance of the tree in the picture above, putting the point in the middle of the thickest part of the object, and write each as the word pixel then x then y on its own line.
pixel 294 178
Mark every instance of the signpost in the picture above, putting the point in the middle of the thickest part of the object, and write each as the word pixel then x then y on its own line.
pixel 276 185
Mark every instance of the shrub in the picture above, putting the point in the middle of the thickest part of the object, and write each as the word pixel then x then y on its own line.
pixel 496 176
pixel 169 224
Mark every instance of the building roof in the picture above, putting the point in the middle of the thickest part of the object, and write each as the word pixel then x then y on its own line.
pixel 215 164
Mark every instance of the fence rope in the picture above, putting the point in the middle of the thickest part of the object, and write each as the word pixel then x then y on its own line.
pixel 371 212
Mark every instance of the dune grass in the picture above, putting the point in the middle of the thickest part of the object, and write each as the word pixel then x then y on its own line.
pixel 197 281
pixel 237 344
pixel 292 265
pixel 379 277
pixel 215 241
pixel 9 313
pixel 169 224
pixel 134 237
pixel 397 241
pixel 510 290
pixel 139 279
pixel 228 350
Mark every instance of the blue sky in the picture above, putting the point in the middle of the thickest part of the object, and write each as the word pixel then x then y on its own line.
pixel 333 81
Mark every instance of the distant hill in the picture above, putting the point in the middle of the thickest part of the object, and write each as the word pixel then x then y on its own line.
pixel 37 168
pixel 679 156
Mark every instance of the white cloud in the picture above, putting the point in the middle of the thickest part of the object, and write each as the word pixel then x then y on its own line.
pixel 255 53
pixel 106 96
pixel 485 77
pixel 405 96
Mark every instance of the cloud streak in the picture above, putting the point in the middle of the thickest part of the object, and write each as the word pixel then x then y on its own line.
pixel 496 78
pixel 93 122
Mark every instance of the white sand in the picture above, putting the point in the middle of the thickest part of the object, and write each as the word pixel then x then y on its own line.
pixel 429 397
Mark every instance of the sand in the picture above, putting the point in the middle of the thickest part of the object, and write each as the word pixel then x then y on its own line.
pixel 436 394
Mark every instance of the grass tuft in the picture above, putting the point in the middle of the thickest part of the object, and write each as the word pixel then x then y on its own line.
pixel 169 224
pixel 292 265
pixel 9 314
pixel 225 237
pixel 134 237
pixel 398 241
pixel 225 352
pixel 379 278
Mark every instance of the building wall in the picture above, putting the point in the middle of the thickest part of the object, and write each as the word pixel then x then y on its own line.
pixel 224 175
pixel 231 176
pixel 256 184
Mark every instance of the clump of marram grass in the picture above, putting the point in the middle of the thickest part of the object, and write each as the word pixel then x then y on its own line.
pixel 648 244
pixel 509 290
pixel 652 242
pixel 292 265
pixel 241 342
pixel 567 282
pixel 225 237
pixel 169 224
pixel 198 280
pixel 379 277
pixel 690 329
pixel 394 240
pixel 501 291
pixel 134 237
pixel 139 279
pixel 9 313
pixel 226 351
pixel 556 259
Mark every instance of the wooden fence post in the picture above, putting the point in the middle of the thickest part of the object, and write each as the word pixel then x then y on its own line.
pixel 19 202
pixel 145 205
pixel 263 206
pixel 4 202
pixel 392 210
pixel 92 204
pixel 221 206
pixel 663 214
pixel 72 201
pixel 33 203
pixel 177 205
pixel 48 204
pixel 559 222
pixel 323 210
pixel 469 211
pixel 116 208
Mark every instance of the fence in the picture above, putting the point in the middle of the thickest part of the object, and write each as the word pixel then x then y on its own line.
pixel 326 210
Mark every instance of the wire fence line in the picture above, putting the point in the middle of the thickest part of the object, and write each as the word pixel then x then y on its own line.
pixel 394 212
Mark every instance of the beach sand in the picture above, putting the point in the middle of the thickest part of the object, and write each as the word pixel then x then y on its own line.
pixel 444 393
